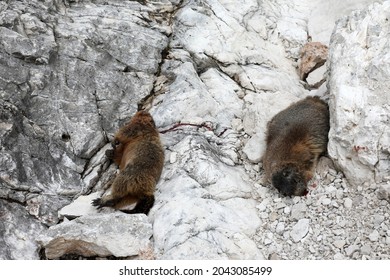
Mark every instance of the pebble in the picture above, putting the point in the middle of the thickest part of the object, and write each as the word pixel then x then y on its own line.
pixel 347 202
pixel 338 232
pixel 326 201
pixel 384 192
pixel 366 250
pixel 339 194
pixel 173 157
pixel 280 228
pixel 338 256
pixel 274 256
pixel 267 241
pixel 298 211
pixel 378 219
pixel 273 216
pixel 300 230
pixel 339 243
pixel 264 215
pixel 351 249
pixel 374 236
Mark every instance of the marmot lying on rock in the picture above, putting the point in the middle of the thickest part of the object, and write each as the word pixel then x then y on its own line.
pixel 296 138
pixel 140 156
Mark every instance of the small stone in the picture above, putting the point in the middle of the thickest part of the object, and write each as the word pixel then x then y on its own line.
pixel 326 201
pixel 374 236
pixel 263 205
pixel 351 249
pixel 331 189
pixel 300 230
pixel 280 228
pixel 253 150
pixel 313 56
pixel 274 256
pixel 286 210
pixel 280 205
pixel 339 243
pixel 384 192
pixel 273 216
pixel 298 211
pixel 339 194
pixel 378 219
pixel 347 202
pixel 267 241
pixel 338 256
pixel 338 232
pixel 173 157
pixel 329 178
pixel 262 191
pixel 366 250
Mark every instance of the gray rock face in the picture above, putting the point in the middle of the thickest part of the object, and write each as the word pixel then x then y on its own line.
pixel 18 233
pixel 212 76
pixel 65 87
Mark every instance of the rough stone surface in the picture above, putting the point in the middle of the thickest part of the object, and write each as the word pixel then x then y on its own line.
pixel 18 233
pixel 80 207
pixel 300 230
pixel 313 56
pixel 115 234
pixel 359 138
pixel 212 75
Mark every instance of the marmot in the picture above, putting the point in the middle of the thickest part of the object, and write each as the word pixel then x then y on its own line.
pixel 140 156
pixel 296 138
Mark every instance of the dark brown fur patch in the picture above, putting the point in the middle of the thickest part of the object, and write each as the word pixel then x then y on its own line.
pixel 296 138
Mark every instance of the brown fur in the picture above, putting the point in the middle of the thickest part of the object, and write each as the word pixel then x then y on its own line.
pixel 140 156
pixel 296 138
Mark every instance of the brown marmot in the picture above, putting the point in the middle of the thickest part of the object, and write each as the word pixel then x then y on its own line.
pixel 140 156
pixel 296 138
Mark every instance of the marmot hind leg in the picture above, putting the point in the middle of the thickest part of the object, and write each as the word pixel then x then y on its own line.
pixel 114 202
pixel 143 205
pixel 101 202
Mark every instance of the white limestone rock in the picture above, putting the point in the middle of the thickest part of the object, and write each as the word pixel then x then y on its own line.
pixel 300 230
pixel 253 149
pixel 359 138
pixel 203 207
pixel 79 207
pixel 323 15
pixel 116 234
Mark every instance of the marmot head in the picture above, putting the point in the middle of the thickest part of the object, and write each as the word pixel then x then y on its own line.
pixel 289 181
pixel 142 118
pixel 140 125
